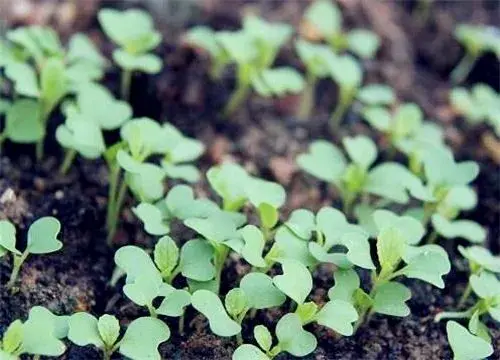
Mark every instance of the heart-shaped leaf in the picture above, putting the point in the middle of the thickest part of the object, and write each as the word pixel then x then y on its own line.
pixel 109 329
pixel 293 338
pixel 466 229
pixel 42 332
pixel 174 304
pixel 260 291
pixel 152 218
pixel 428 266
pixel 390 299
pixel 166 255
pixel 254 245
pixel 324 161
pixel 196 260
pixel 465 345
pixel 249 352
pixel 296 281
pixel 142 338
pixel 42 236
pixel 83 330
pixel 22 124
pixel 346 283
pixel 338 315
pixel 7 238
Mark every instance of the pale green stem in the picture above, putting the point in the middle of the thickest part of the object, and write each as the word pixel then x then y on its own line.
pixel 237 98
pixel 126 82
pixel 465 295
pixel 120 197
pixel 432 237
pixel 113 183
pixel 69 158
pixel 464 67
pixel 307 100
pixel 16 267
pixel 453 315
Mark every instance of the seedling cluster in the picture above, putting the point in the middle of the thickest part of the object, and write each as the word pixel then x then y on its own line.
pixel 394 216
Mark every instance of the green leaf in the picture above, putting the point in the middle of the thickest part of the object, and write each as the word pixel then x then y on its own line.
pixel 361 149
pixel 466 346
pixel 260 291
pixel 144 290
pixel 42 236
pixel 239 45
pixel 81 48
pixel 83 330
pixel 217 227
pixel 346 283
pixel 196 260
pixel 306 311
pixel 144 137
pixel 271 35
pixel 204 37
pixel 7 238
pixel 296 281
pixel 289 246
pixel 228 181
pixel 325 16
pixel 263 337
pixel 333 224
pixel 390 248
pixel 441 169
pixel 293 338
pixel 338 315
pixel 346 72
pixel 148 63
pixel 13 338
pixel 469 230
pixel 363 43
pixel 324 161
pixel 358 250
pixel 476 327
pixel 485 285
pixel 278 82
pixel 22 124
pixel 84 136
pixel 390 299
pixel 166 255
pixel 236 302
pixel 260 191
pixel 479 256
pixel 174 304
pixel 152 218
pixel 409 227
pixel 42 332
pixel 254 245
pixel 428 266
pixel 209 304
pixel 375 95
pixel 136 263
pixel 53 83
pixel 109 329
pixel 142 338
pixel 302 223
pixel 249 352
pixel 315 57
pixel 24 78
pixel 268 215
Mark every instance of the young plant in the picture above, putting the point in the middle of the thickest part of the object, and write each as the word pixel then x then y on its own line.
pixel 39 335
pixel 398 255
pixel 133 31
pixel 466 345
pixel 52 75
pixel 140 341
pixel 323 21
pixel 147 279
pixel 476 40
pixel 94 111
pixel 479 105
pixel 42 239
pixel 486 287
pixel 390 181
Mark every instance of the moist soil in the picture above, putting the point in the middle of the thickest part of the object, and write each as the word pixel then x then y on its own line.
pixel 416 57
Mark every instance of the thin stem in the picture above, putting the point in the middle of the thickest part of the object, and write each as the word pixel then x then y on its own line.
pixel 237 98
pixel 337 116
pixel 221 253
pixel 120 197
pixel 113 183
pixel 307 100
pixel 465 296
pixel 464 67
pixel 452 315
pixel 152 311
pixel 126 81
pixel 69 158
pixel 42 117
pixel 432 237
pixel 16 267
pixel 182 320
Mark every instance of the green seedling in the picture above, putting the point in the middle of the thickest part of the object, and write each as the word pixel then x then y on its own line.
pixel 466 345
pixel 54 73
pixel 476 40
pixel 147 279
pixel 141 139
pixel 42 239
pixel 253 50
pixel 406 131
pixel 291 336
pixel 236 188
pixel 133 31
pixel 390 181
pixel 398 255
pixel 94 111
pixel 323 20
pixel 39 335
pixel 140 340
pixel 479 105
pixel 486 287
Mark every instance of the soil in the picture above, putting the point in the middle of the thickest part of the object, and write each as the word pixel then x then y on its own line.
pixel 416 58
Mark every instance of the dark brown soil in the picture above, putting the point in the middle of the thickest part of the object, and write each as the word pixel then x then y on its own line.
pixel 416 58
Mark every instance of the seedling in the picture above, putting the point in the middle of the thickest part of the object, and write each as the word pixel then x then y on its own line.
pixel 390 181
pixel 323 21
pixel 479 105
pixel 140 341
pixel 147 280
pixel 39 335
pixel 476 40
pixel 466 345
pixel 133 31
pixel 236 188
pixel 42 239
pixel 486 287
pixel 253 49
pixel 54 74
pixel 94 111
pixel 397 244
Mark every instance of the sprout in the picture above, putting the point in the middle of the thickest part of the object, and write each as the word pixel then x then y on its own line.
pixel 479 105
pixel 324 19
pixel 53 74
pixel 388 180
pixel 40 334
pixel 133 31
pixel 476 40
pixel 140 341
pixel 42 239
pixel 466 345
